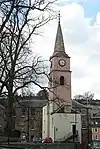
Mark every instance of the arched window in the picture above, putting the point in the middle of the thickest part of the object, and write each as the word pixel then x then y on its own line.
pixel 61 80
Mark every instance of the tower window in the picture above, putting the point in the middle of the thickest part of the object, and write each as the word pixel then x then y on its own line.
pixel 61 80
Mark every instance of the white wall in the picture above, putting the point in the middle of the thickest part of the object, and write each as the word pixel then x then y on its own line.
pixel 47 119
pixel 62 125
pixel 59 124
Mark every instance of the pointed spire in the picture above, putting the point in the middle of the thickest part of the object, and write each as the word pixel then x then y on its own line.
pixel 59 42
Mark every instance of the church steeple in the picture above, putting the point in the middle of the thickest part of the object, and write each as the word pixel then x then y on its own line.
pixel 59 42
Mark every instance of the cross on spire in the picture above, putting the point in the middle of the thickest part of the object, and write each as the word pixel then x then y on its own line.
pixel 59 16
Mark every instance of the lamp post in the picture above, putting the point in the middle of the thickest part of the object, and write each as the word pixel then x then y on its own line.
pixel 95 130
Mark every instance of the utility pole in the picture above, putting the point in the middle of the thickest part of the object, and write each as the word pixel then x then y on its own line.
pixel 88 128
pixel 75 128
pixel 48 117
pixel 28 124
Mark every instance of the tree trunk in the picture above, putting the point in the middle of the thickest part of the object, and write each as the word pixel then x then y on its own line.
pixel 10 108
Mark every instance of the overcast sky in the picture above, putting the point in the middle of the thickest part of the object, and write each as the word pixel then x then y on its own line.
pixel 80 21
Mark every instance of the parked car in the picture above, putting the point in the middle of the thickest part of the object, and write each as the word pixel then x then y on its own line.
pixel 94 144
pixel 23 139
pixel 47 140
pixel 37 140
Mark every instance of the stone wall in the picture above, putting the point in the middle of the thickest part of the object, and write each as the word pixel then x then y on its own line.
pixel 56 146
pixel 43 146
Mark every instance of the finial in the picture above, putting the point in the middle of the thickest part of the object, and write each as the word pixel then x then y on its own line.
pixel 59 16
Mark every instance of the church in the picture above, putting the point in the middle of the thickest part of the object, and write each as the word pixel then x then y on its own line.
pixel 60 122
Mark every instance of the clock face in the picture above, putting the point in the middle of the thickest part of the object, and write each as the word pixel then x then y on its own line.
pixel 62 62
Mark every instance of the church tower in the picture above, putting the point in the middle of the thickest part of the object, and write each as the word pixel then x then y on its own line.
pixel 58 120
pixel 60 74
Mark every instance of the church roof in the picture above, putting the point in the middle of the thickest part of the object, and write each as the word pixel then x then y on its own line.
pixel 59 42
pixel 60 54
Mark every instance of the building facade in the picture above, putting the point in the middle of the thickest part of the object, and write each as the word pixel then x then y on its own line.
pixel 28 116
pixel 90 119
pixel 2 118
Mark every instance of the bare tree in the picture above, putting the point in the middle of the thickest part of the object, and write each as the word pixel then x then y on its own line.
pixel 86 96
pixel 18 68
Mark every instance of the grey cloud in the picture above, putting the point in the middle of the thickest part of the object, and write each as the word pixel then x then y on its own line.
pixel 94 58
pixel 95 88
pixel 78 72
pixel 75 32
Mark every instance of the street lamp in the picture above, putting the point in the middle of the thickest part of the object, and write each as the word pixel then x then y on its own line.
pixel 23 116
pixel 1 127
